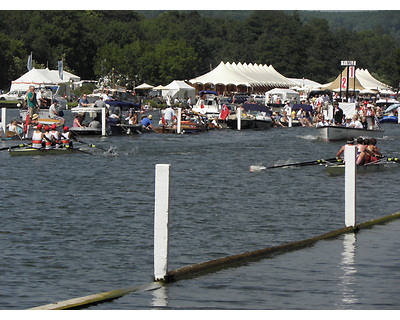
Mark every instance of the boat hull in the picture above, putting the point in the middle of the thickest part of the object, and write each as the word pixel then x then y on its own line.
pixel 336 133
pixel 120 128
pixel 389 119
pixel 41 152
pixel 335 170
pixel 249 124
pixel 84 131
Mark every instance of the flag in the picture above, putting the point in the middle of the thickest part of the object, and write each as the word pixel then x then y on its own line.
pixel 29 63
pixel 60 69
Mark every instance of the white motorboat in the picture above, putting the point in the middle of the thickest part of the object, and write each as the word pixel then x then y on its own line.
pixel 335 133
pixel 208 104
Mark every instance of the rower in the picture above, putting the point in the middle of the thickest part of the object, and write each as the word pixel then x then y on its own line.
pixel 375 150
pixel 55 135
pixel 66 138
pixel 47 137
pixel 362 151
pixel 37 137
pixel 350 142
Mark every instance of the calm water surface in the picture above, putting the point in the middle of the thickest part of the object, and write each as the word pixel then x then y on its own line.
pixel 83 224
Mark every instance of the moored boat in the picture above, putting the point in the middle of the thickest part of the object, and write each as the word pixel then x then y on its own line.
pixel 111 120
pixel 29 151
pixel 191 122
pixel 208 104
pixel 335 133
pixel 389 119
pixel 254 116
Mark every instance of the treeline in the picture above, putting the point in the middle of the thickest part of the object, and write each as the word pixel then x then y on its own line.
pixel 185 44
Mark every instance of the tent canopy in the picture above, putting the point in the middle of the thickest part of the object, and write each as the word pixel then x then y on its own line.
pixel 41 78
pixel 248 75
pixel 180 90
pixel 363 81
pixel 144 86
pixel 304 84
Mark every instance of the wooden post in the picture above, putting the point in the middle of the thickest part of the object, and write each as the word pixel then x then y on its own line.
pixel 350 153
pixel 179 120
pixel 161 221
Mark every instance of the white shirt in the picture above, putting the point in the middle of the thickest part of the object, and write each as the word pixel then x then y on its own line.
pixel 357 124
pixel 169 113
pixel 106 97
pixel 52 111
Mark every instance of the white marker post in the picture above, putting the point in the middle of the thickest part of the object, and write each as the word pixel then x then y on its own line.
pixel 350 153
pixel 239 118
pixel 398 115
pixel 103 121
pixel 290 117
pixel 161 221
pixel 3 121
pixel 179 120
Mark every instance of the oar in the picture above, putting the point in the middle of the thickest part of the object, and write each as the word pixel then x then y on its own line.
pixel 92 145
pixel 306 163
pixel 13 147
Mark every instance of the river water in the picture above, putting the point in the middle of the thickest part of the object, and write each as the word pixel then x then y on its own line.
pixel 83 224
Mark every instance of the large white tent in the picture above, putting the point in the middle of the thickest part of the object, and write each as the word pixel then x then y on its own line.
pixel 41 78
pixel 249 75
pixel 304 84
pixel 363 81
pixel 369 82
pixel 180 90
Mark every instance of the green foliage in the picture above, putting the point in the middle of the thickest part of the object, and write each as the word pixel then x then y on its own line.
pixel 86 88
pixel 159 46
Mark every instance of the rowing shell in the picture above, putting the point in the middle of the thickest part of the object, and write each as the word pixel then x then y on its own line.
pixel 28 151
pixel 334 170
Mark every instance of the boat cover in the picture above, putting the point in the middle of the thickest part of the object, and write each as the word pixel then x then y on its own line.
pixel 306 107
pixel 256 107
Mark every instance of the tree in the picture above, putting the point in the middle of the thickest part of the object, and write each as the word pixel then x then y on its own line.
pixel 170 60
pixel 12 64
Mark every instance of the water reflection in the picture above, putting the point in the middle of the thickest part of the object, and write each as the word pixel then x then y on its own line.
pixel 160 297
pixel 349 270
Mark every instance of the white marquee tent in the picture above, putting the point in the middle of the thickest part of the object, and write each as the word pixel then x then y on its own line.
pixel 368 81
pixel 364 82
pixel 144 86
pixel 41 78
pixel 249 75
pixel 304 84
pixel 179 89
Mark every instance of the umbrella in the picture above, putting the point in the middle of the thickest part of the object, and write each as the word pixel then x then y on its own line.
pixel 392 107
pixel 144 86
pixel 160 87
